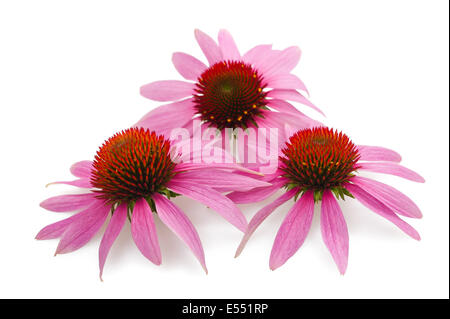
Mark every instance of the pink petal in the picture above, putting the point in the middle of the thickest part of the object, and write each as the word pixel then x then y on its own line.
pixel 228 47
pixel 285 81
pixel 334 230
pixel 82 182
pixel 283 106
pixel 211 198
pixel 220 179
pixel 395 200
pixel 144 233
pixel 82 169
pixel 293 231
pixel 393 169
pixel 285 61
pixel 378 207
pixel 167 117
pixel 169 90
pixel 261 215
pixel 202 166
pixel 188 66
pixel 68 203
pixel 112 231
pixel 377 153
pixel 177 221
pixel 83 228
pixel 257 54
pixel 292 95
pixel 209 47
pixel 256 194
pixel 55 230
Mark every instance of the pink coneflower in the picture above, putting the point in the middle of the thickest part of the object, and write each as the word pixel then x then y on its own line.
pixel 320 165
pixel 132 176
pixel 234 91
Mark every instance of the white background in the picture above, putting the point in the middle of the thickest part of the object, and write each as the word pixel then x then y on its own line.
pixel 70 73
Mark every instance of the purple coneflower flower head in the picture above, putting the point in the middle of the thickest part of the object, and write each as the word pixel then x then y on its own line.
pixel 232 91
pixel 134 175
pixel 320 165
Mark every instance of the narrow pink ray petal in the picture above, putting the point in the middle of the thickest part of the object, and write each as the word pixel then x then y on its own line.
pixel 260 216
pixel 293 231
pixel 81 169
pixel 378 207
pixel 334 230
pixel 188 66
pixel 55 230
pixel 84 228
pixel 177 221
pixel 82 182
pixel 257 194
pixel 265 60
pixel 167 117
pixel 112 231
pixel 285 81
pixel 144 233
pixel 285 62
pixel 393 169
pixel 298 122
pixel 394 199
pixel 283 106
pixel 255 55
pixel 377 153
pixel 168 90
pixel 211 198
pixel 292 95
pixel 209 47
pixel 220 178
pixel 68 203
pixel 228 46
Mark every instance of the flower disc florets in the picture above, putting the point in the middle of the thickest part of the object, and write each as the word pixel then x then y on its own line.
pixel 132 164
pixel 230 94
pixel 318 159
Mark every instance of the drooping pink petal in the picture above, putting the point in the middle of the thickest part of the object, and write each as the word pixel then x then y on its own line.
pixel 82 182
pixel 188 66
pixel 256 55
pixel 144 233
pixel 292 95
pixel 261 215
pixel 256 194
pixel 285 61
pixel 168 90
pixel 293 230
pixel 68 203
pixel 211 198
pixel 334 230
pixel 177 221
pixel 209 47
pixel 167 117
pixel 81 230
pixel 220 179
pixel 394 199
pixel 285 81
pixel 55 230
pixel 393 169
pixel 81 169
pixel 112 231
pixel 299 122
pixel 228 46
pixel 377 153
pixel 378 207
